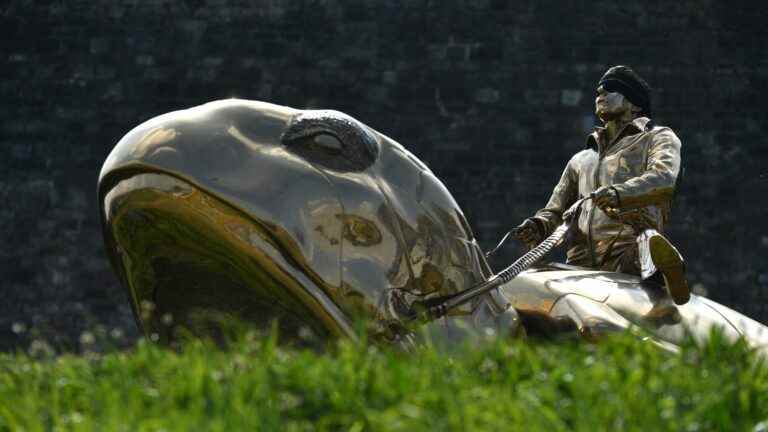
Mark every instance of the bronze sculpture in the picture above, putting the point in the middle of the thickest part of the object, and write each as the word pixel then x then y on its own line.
pixel 630 167
pixel 270 212
pixel 248 209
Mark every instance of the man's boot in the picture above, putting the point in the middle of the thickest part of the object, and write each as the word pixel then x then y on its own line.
pixel 658 255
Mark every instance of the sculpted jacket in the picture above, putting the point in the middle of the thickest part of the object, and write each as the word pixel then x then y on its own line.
pixel 641 164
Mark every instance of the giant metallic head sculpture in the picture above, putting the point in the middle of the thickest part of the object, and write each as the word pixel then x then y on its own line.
pixel 309 219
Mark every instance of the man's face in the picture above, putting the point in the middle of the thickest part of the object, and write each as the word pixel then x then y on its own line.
pixel 611 105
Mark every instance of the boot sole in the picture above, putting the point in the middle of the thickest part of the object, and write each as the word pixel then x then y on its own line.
pixel 667 260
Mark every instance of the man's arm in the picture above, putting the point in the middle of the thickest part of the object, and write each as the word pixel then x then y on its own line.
pixel 657 184
pixel 563 196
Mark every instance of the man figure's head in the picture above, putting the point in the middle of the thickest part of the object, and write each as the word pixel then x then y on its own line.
pixel 622 94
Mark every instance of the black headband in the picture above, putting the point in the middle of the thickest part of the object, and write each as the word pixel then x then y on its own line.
pixel 624 80
pixel 633 95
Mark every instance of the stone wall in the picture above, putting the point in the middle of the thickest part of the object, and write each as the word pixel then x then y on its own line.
pixel 495 96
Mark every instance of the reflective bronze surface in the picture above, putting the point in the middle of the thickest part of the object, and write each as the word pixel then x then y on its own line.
pixel 248 209
pixel 599 301
pixel 641 164
pixel 262 212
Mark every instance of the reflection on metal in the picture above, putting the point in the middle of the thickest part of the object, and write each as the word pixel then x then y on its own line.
pixel 308 218
pixel 313 220
pixel 599 301
pixel 360 231
pixel 426 312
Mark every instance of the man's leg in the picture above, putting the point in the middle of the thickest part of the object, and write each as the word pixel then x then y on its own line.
pixel 657 255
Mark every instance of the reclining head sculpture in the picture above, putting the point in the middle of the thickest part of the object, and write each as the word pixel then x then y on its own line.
pixel 313 220
pixel 266 212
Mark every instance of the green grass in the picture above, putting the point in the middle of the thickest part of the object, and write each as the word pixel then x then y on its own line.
pixel 619 384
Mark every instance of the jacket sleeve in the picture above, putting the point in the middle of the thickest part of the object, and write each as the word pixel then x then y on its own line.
pixel 657 184
pixel 563 196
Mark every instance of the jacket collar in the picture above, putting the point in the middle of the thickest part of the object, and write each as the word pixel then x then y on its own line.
pixel 640 124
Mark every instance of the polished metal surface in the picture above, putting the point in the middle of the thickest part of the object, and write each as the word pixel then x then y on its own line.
pixel 521 264
pixel 263 212
pixel 313 220
pixel 596 302
pixel 641 164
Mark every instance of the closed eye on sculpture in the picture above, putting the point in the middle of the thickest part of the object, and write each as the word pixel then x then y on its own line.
pixel 327 143
pixel 332 140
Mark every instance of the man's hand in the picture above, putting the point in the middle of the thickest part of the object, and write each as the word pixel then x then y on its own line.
pixel 527 232
pixel 568 215
pixel 606 198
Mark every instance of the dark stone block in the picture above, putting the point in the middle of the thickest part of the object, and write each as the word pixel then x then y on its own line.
pixel 456 52
pixel 488 52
